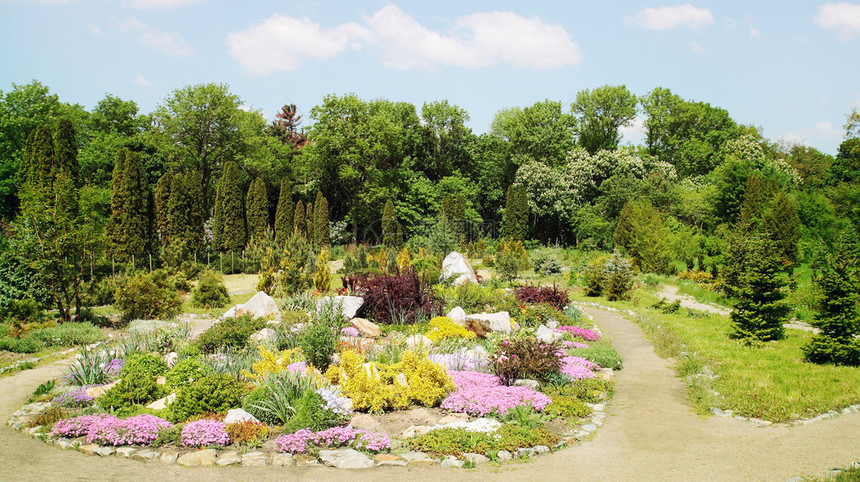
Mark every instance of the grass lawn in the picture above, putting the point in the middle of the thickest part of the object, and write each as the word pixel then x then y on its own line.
pixel 769 381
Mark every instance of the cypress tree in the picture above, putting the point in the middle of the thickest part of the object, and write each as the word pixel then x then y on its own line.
pixel 510 213
pixel 67 149
pixel 229 223
pixel 310 220
pixel 132 229
pixel 782 223
pixel 447 207
pixel 185 216
pixel 761 309
pixel 117 200
pixel 757 196
pixel 389 225
pixel 257 209
pixel 323 236
pixel 161 200
pixel 522 203
pixel 299 225
pixel 284 213
pixel 40 166
pixel 194 229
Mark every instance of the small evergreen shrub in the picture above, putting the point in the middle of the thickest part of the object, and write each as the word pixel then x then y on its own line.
pixel 251 404
pixel 185 372
pixel 210 292
pixel 148 296
pixel 133 389
pixel 213 393
pixel 610 276
pixel 311 413
pixel 319 339
pixel 230 333
pixel 144 364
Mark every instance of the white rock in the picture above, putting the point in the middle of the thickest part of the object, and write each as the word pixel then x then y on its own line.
pixel 232 312
pixel 525 382
pixel 261 305
pixel 418 341
pixel 476 459
pixel 171 359
pixel 263 335
pixel 457 315
pixel 456 266
pixel 345 459
pixel 349 305
pixel 546 335
pixel 237 415
pixel 477 353
pixel 500 321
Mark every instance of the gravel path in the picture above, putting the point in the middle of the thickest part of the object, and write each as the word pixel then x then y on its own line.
pixel 650 433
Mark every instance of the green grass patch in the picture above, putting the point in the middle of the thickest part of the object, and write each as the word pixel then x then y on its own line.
pixel 770 380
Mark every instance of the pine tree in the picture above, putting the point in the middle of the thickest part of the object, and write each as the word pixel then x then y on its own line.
pixel 117 200
pixel 782 223
pixel 761 309
pixel 389 225
pixel 758 194
pixel 839 315
pixel 447 207
pixel 299 225
pixel 284 213
pixel 229 224
pixel 522 203
pixel 161 200
pixel 257 209
pixel 310 220
pixel 185 217
pixel 132 225
pixel 510 212
pixel 40 165
pixel 323 235
pixel 67 148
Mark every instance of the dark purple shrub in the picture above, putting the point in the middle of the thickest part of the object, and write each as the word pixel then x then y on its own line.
pixel 551 295
pixel 398 298
pixel 525 358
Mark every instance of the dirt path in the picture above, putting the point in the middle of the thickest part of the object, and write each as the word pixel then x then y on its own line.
pixel 650 434
pixel 670 293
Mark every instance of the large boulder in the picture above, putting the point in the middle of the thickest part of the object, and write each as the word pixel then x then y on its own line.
pixel 456 266
pixel 457 315
pixel 237 415
pixel 546 335
pixel 366 328
pixel 349 306
pixel 483 323
pixel 260 305
pixel 264 335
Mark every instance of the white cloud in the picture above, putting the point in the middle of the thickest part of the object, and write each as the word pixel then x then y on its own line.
pixel 634 133
pixel 477 40
pixel 755 33
pixel 843 17
pixel 283 43
pixel 696 47
pixel 95 30
pixel 158 4
pixel 168 43
pixel 822 131
pixel 142 81
pixel 668 18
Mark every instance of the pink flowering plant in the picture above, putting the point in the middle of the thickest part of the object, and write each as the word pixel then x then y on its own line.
pixel 578 368
pixel 480 394
pixel 76 426
pixel 304 440
pixel 204 433
pixel 138 430
pixel 584 333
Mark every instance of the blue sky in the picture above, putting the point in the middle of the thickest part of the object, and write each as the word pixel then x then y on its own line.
pixel 790 67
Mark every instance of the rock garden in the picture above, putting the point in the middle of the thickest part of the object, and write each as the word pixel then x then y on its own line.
pixel 395 370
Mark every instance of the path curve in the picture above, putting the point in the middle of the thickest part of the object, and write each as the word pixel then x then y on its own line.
pixel 651 433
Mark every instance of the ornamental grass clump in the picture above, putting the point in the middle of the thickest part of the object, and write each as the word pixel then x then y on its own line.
pixel 479 394
pixel 138 430
pixel 205 433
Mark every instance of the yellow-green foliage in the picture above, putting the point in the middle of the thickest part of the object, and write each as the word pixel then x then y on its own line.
pixel 404 258
pixel 443 327
pixel 273 363
pixel 322 276
pixel 376 387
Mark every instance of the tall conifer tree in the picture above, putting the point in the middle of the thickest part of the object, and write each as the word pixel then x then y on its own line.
pixel 257 209
pixel 229 223
pixel 782 223
pixel 299 225
pixel 67 149
pixel 161 200
pixel 310 231
pixel 323 235
pixel 133 230
pixel 117 199
pixel 390 226
pixel 284 213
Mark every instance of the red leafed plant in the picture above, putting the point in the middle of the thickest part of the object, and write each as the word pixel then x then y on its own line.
pixel 551 295
pixel 402 297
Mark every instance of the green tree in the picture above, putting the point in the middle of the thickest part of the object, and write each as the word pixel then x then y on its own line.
pixel 389 226
pixel 284 213
pixel 310 220
pixel 228 228
pixel 846 165
pixel 132 221
pixel 257 209
pixel 542 132
pixel 758 195
pixel 299 224
pixel 67 147
pixel 601 114
pixel 761 310
pixel 162 201
pixel 323 236
pixel 516 213
pixel 782 224
pixel 117 201
pixel 445 138
pixel 839 316
pixel 642 232
pixel 185 217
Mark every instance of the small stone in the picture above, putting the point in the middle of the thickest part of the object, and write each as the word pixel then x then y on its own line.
pixel 345 459
pixel 366 328
pixel 161 380
pixel 282 460
pixel 64 443
pixel 524 452
pixel 415 430
pixel 304 460
pixel 125 451
pixel 547 335
pixel 201 457
pixel 169 457
pixel 795 479
pixel 478 459
pixel 145 455
pixel 386 458
pixel 541 449
pixel 228 458
pixel 716 411
pixel 254 459
pixel 87 449
pixel 98 391
pixel 104 451
pixel 832 474
pixel 504 455
pixel 526 382
pixel 589 427
pixel 422 463
pixel 263 335
pixel 410 456
pixel 597 407
pixel 457 315
pixel 392 463
pixel 453 462
pixel 418 341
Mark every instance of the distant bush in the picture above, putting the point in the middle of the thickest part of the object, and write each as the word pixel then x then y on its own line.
pixel 551 295
pixel 148 296
pixel 68 334
pixel 610 276
pixel 210 292
pixel 546 263
pixel 19 345
pixel 230 333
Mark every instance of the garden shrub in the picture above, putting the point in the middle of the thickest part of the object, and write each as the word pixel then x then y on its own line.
pixel 19 345
pixel 186 371
pixel 210 394
pixel 610 276
pixel 322 273
pixel 230 333
pixel 144 364
pixel 589 390
pixel 272 363
pixel 473 298
pixel 169 435
pixel 24 311
pixel 444 327
pixel 248 433
pixel 251 404
pixel 605 356
pixel 546 264
pixel 210 291
pixel 133 389
pixel 319 339
pixel 100 291
pixel 49 417
pixel 311 413
pixel 148 296
pixel 281 394
pixel 539 314
pixel 511 257
pixel 525 358
pixel 399 298
pixel 289 270
pixel 68 334
pixel 550 295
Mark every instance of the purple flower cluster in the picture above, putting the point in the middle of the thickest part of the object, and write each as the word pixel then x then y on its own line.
pixel 296 443
pixel 76 426
pixel 299 367
pixel 76 398
pixel 572 344
pixel 138 430
pixel 577 368
pixel 114 367
pixel 334 403
pixel 350 331
pixel 480 393
pixel 201 433
pixel 585 334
